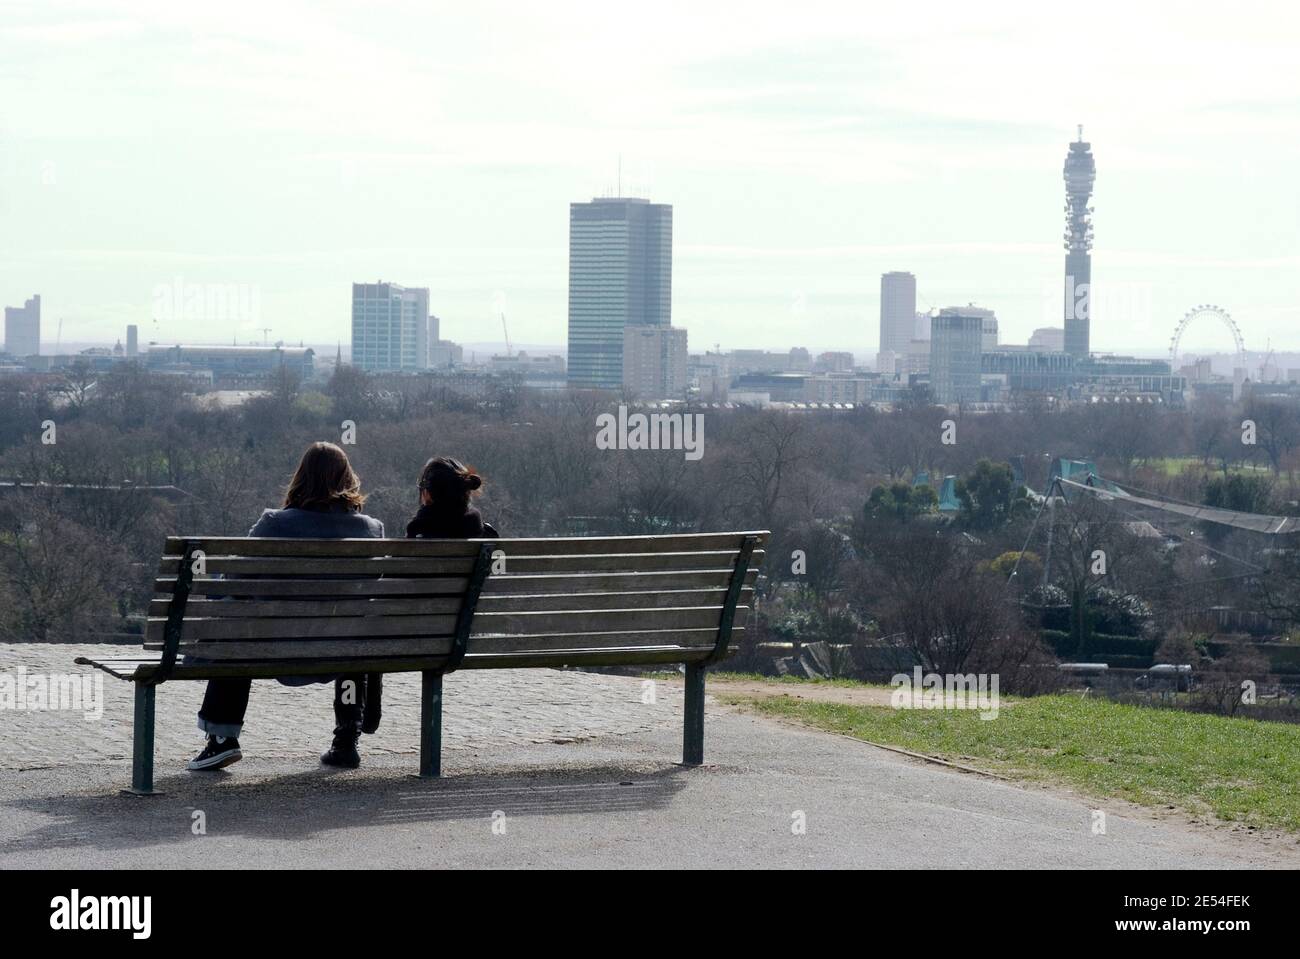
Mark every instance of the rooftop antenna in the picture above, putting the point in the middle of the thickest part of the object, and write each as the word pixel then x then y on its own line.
pixel 619 187
pixel 1080 132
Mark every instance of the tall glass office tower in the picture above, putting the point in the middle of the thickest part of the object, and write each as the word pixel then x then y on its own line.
pixel 620 275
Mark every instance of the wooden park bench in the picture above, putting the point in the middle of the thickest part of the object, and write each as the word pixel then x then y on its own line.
pixel 264 608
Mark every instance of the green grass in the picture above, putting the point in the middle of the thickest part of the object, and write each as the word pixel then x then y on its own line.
pixel 1176 465
pixel 723 676
pixel 794 680
pixel 1237 770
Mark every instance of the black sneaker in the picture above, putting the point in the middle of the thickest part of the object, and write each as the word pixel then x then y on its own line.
pixel 220 752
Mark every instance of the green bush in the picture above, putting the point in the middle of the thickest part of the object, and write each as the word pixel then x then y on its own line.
pixel 1136 652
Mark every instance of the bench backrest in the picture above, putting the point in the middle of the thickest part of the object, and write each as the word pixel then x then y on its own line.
pixel 455 603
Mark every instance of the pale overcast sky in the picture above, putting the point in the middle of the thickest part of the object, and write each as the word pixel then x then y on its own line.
pixel 288 149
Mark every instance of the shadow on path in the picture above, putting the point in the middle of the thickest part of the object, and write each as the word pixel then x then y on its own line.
pixel 306 805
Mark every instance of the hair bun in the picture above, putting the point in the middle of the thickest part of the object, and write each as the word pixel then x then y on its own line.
pixel 473 481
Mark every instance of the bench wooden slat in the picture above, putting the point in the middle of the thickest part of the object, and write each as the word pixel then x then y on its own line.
pixel 540 583
pixel 520 646
pixel 604 620
pixel 549 602
pixel 530 584
pixel 271 669
pixel 307 548
pixel 518 546
pixel 615 545
pixel 408 566
pixel 388 586
pixel 200 608
pixel 328 566
pixel 319 648
pixel 305 627
pixel 626 562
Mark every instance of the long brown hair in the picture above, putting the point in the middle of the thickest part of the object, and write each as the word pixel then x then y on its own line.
pixel 324 478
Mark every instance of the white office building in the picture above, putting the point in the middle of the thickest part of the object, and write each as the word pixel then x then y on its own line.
pixel 390 327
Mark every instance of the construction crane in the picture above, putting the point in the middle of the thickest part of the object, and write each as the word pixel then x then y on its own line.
pixel 506 331
pixel 1263 367
pixel 266 330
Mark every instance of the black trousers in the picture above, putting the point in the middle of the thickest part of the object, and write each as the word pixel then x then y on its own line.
pixel 225 702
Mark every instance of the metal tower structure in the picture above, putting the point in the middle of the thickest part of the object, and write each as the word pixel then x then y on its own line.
pixel 1080 174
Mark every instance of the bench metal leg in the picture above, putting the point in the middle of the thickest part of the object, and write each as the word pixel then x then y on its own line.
pixel 693 722
pixel 142 733
pixel 430 724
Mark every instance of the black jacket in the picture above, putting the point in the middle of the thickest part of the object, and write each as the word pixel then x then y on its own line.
pixel 430 523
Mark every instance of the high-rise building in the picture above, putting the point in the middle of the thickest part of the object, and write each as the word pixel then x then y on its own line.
pixel 956 345
pixel 23 328
pixel 897 316
pixel 620 276
pixel 390 327
pixel 1080 174
pixel 132 341
pixel 655 362
pixel 435 333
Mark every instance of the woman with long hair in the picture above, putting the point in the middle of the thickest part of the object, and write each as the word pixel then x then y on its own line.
pixel 323 501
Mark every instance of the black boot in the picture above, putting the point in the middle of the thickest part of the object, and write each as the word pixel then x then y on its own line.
pixel 373 709
pixel 349 707
pixel 343 751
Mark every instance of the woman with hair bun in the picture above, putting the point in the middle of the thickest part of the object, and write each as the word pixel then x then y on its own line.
pixel 446 486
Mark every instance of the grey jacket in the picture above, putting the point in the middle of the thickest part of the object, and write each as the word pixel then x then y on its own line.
pixel 339 523
pixel 313 524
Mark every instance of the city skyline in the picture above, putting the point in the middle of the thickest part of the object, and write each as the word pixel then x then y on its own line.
pixel 803 162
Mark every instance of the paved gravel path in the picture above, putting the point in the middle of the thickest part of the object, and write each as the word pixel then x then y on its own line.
pixel 483 708
pixel 613 800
